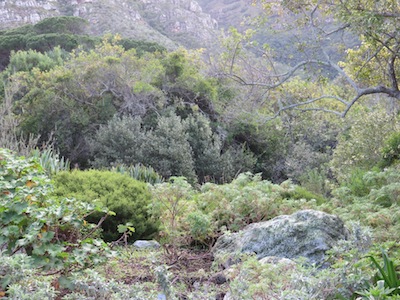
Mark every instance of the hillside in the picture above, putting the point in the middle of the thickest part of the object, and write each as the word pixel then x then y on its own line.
pixel 167 22
pixel 228 12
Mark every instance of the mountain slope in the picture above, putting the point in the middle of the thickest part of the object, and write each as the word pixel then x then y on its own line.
pixel 168 22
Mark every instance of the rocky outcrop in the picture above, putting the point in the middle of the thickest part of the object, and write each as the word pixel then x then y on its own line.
pixel 181 18
pixel 17 12
pixel 307 233
pixel 168 22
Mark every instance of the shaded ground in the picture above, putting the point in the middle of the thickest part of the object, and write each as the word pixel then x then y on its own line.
pixel 191 271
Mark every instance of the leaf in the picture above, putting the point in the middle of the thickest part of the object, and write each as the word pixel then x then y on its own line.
pixel 65 282
pixel 30 184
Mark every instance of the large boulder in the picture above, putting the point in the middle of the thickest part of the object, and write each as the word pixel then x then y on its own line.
pixel 306 233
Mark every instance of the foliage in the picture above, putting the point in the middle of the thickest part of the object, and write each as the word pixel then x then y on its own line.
pixel 141 47
pixel 53 232
pixel 10 137
pixel 118 142
pixel 189 216
pixel 91 285
pixel 51 161
pixel 377 206
pixel 87 90
pixel 167 149
pixel 391 150
pixel 127 197
pixel 27 60
pixel 174 147
pixel 171 202
pixel 387 274
pixel 325 32
pixel 25 283
pixel 62 24
pixel 367 132
pixel 139 172
pixel 18 275
pixel 65 32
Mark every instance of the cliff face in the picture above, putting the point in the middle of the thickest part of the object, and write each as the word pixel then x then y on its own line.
pixel 168 22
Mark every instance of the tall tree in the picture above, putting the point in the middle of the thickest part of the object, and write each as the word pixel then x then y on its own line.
pixel 363 34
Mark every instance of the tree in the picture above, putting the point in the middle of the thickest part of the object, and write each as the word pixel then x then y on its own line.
pixel 363 32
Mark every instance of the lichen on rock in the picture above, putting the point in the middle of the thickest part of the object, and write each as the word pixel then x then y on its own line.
pixel 306 233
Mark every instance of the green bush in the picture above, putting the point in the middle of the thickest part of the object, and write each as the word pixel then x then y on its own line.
pixel 391 151
pixel 167 149
pixel 125 196
pixel 188 215
pixel 118 142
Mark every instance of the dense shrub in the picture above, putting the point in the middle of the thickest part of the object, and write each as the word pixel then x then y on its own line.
pixel 167 149
pixel 391 150
pixel 119 141
pixel 127 197
pixel 373 200
pixel 173 147
pixel 360 147
pixel 188 215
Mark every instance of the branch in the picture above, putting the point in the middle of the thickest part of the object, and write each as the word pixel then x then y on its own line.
pixel 286 76
pixel 96 227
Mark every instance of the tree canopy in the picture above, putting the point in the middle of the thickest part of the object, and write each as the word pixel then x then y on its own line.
pixel 363 33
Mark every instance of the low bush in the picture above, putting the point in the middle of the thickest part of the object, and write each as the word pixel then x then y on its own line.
pixel 391 150
pixel 125 196
pixel 188 215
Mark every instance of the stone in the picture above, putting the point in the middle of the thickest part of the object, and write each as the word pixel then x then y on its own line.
pixel 306 233
pixel 142 244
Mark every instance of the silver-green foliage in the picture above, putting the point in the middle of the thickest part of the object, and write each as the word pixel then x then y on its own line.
pixel 139 172
pixel 51 161
pixel 174 147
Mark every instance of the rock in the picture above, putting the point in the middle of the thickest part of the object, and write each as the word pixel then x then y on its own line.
pixel 218 278
pixel 307 233
pixel 141 244
pixel 274 260
pixel 167 22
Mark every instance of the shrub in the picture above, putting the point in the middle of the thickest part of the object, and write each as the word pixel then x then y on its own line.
pixel 188 215
pixel 167 149
pixel 125 196
pixel 53 232
pixel 361 146
pixel 391 150
pixel 51 160
pixel 139 172
pixel 171 202
pixel 118 142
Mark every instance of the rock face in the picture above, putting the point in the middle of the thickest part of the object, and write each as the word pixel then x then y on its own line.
pixel 168 22
pixel 307 233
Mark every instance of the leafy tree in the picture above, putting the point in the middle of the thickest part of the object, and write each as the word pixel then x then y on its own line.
pixel 370 67
pixel 63 25
pixel 74 98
